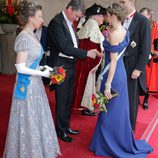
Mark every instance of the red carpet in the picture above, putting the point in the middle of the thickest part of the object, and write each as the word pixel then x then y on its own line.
pixel 147 124
pixel 151 133
pixel 154 141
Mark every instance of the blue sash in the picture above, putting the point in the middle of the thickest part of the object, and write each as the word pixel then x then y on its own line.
pixel 23 80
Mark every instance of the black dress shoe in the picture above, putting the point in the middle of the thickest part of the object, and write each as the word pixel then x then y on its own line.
pixel 88 113
pixel 145 106
pixel 71 131
pixel 63 136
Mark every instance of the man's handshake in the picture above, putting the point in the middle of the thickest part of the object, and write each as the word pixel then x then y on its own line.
pixel 93 53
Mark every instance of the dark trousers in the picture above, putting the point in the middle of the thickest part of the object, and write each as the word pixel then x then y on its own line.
pixel 64 95
pixel 133 92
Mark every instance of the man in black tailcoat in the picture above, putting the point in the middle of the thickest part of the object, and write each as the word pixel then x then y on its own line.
pixel 136 56
pixel 64 50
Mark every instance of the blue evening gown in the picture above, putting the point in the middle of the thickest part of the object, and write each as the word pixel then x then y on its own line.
pixel 113 134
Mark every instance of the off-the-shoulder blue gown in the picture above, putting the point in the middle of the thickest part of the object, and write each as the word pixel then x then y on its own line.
pixel 113 134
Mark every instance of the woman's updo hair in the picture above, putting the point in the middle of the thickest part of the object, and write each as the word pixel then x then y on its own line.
pixel 25 10
pixel 119 10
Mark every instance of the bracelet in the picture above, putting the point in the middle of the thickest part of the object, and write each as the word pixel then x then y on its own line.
pixel 107 85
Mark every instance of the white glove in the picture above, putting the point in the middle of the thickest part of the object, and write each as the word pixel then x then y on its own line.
pixel 46 67
pixel 21 68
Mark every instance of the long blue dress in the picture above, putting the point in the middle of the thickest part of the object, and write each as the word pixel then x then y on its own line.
pixel 113 134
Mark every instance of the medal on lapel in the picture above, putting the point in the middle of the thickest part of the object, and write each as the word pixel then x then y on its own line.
pixel 133 44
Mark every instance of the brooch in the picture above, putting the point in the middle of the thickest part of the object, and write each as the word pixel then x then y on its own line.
pixel 22 89
pixel 98 10
pixel 133 44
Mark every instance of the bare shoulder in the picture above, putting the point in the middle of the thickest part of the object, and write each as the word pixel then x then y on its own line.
pixel 117 36
pixel 113 38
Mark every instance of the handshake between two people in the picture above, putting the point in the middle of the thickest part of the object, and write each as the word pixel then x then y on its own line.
pixel 93 53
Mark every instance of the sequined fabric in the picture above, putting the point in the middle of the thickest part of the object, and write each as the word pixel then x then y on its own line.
pixel 31 131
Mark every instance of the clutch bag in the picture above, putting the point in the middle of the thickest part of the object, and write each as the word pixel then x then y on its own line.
pixel 113 93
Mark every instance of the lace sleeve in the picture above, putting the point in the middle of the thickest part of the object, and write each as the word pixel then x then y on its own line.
pixel 22 43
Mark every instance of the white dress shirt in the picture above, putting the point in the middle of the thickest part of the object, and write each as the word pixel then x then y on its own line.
pixel 69 23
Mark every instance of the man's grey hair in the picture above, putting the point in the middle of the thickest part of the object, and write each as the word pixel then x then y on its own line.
pixel 77 5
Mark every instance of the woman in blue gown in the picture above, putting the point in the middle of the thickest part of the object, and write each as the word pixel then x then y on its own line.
pixel 113 134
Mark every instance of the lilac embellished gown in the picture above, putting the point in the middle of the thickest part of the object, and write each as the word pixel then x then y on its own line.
pixel 31 131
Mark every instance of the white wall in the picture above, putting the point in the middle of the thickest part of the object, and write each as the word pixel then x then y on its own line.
pixel 151 4
pixel 52 7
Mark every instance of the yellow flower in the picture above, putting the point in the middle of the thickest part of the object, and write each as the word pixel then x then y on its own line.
pixel 94 101
pixel 58 78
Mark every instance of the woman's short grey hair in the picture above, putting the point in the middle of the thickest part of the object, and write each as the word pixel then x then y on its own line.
pixel 77 5
pixel 27 9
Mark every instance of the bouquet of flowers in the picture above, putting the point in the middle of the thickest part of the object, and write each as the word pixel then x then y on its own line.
pixel 57 75
pixel 99 101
